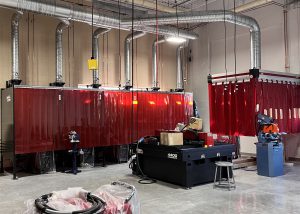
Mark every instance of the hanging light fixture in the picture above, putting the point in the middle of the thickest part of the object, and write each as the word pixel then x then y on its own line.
pixel 177 39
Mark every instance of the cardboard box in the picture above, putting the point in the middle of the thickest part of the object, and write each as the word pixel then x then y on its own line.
pixel 195 123
pixel 171 138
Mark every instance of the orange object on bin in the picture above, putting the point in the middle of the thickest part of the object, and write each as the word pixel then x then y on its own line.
pixel 270 128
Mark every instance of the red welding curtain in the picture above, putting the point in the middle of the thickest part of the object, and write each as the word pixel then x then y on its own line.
pixel 234 106
pixel 280 100
pixel 44 117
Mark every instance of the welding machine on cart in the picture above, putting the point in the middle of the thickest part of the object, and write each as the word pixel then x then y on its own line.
pixel 269 149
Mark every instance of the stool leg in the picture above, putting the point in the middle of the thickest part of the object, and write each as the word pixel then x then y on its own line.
pixel 220 170
pixel 216 172
pixel 233 177
pixel 228 178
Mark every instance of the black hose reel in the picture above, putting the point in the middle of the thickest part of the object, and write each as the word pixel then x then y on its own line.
pixel 98 206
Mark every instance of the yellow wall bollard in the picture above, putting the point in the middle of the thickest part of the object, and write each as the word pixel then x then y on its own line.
pixel 93 64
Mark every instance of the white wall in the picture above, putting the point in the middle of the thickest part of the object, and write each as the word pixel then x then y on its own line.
pixel 208 53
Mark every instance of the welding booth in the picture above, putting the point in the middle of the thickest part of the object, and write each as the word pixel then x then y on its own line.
pixel 236 100
pixel 37 120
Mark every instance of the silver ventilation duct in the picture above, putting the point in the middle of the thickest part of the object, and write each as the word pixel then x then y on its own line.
pixel 59 53
pixel 155 85
pixel 211 16
pixel 15 48
pixel 128 58
pixel 96 34
pixel 179 74
pixel 76 13
pixel 67 11
pixel 167 31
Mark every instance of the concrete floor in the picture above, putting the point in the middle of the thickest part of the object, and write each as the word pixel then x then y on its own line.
pixel 254 194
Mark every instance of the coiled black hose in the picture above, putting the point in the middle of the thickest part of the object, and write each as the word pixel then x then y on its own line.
pixel 98 206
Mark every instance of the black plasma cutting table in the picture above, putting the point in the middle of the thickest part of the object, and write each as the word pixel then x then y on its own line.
pixel 185 165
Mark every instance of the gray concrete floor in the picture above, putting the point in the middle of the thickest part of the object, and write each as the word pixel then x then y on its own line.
pixel 254 194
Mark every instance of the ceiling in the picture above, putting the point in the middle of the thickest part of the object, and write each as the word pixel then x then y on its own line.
pixel 144 8
pixel 164 6
pixel 182 5
pixel 185 4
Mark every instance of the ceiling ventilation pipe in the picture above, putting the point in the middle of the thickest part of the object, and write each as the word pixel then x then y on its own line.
pixel 128 59
pixel 211 16
pixel 59 53
pixel 15 78
pixel 80 14
pixel 179 75
pixel 155 83
pixel 95 54
pixel 167 31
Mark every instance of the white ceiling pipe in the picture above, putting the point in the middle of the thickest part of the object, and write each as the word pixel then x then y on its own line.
pixel 128 59
pixel 96 34
pixel 155 83
pixel 15 48
pixel 179 76
pixel 59 53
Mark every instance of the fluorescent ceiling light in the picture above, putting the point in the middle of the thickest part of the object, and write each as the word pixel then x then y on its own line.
pixel 174 39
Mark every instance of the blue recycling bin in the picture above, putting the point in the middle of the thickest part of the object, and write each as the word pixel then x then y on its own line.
pixel 269 158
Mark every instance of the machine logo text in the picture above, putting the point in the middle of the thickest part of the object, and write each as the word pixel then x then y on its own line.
pixel 172 156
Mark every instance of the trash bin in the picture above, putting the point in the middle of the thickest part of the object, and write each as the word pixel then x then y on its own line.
pixel 269 158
